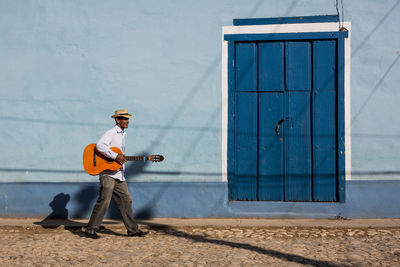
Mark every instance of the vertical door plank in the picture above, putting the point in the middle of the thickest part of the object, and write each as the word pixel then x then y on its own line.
pixel 298 66
pixel 246 67
pixel 271 66
pixel 270 149
pixel 231 118
pixel 324 65
pixel 245 183
pixel 324 142
pixel 298 147
pixel 324 122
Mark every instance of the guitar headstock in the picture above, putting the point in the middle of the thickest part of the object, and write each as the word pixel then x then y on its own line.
pixel 156 158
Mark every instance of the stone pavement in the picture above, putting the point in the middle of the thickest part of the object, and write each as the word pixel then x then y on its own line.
pixel 203 242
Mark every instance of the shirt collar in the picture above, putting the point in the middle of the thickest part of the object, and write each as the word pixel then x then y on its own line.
pixel 119 130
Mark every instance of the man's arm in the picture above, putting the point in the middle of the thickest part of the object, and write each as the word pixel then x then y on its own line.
pixel 103 146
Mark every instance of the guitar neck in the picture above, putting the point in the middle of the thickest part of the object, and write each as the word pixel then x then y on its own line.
pixel 136 158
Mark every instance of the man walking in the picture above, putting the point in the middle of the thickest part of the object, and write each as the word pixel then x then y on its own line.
pixel 113 183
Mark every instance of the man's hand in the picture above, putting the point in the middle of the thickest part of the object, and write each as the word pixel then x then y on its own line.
pixel 120 159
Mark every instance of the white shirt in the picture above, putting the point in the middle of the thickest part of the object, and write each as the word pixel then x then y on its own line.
pixel 114 137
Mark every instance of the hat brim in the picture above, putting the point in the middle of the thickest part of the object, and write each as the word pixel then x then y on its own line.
pixel 122 116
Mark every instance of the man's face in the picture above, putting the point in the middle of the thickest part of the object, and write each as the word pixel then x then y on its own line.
pixel 122 122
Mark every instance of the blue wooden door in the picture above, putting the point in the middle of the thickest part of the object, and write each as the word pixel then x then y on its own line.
pixel 285 119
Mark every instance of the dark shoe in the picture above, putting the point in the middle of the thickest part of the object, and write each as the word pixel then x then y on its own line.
pixel 92 234
pixel 137 233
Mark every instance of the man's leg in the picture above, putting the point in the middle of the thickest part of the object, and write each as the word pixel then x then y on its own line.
pixel 107 185
pixel 124 202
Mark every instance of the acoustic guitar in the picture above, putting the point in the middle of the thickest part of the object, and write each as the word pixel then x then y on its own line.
pixel 94 162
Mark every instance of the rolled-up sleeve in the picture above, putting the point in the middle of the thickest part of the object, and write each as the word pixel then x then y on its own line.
pixel 103 146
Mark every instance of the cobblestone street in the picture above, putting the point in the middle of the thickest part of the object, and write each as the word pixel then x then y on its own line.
pixel 38 245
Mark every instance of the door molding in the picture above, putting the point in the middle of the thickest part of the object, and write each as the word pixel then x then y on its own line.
pixel 288 30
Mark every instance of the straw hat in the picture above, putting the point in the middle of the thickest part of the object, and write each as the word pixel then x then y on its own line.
pixel 121 113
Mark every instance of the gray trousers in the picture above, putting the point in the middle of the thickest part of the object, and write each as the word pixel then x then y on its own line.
pixel 119 190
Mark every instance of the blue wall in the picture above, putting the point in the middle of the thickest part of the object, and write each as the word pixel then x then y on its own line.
pixel 67 65
pixel 364 199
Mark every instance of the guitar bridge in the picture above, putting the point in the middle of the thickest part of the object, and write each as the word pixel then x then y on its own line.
pixel 94 158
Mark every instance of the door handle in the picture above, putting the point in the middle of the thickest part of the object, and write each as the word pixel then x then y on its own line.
pixel 279 124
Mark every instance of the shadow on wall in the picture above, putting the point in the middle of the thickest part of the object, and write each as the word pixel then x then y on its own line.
pixel 85 199
pixel 58 205
pixel 59 215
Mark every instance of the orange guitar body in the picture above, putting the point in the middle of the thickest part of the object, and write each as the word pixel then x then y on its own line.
pixel 95 162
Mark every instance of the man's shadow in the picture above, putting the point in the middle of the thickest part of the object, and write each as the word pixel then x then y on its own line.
pixel 59 217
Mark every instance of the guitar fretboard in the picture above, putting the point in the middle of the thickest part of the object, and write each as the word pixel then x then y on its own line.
pixel 136 158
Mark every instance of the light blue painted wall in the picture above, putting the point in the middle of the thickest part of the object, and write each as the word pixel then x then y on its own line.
pixel 364 199
pixel 67 65
pixel 375 88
